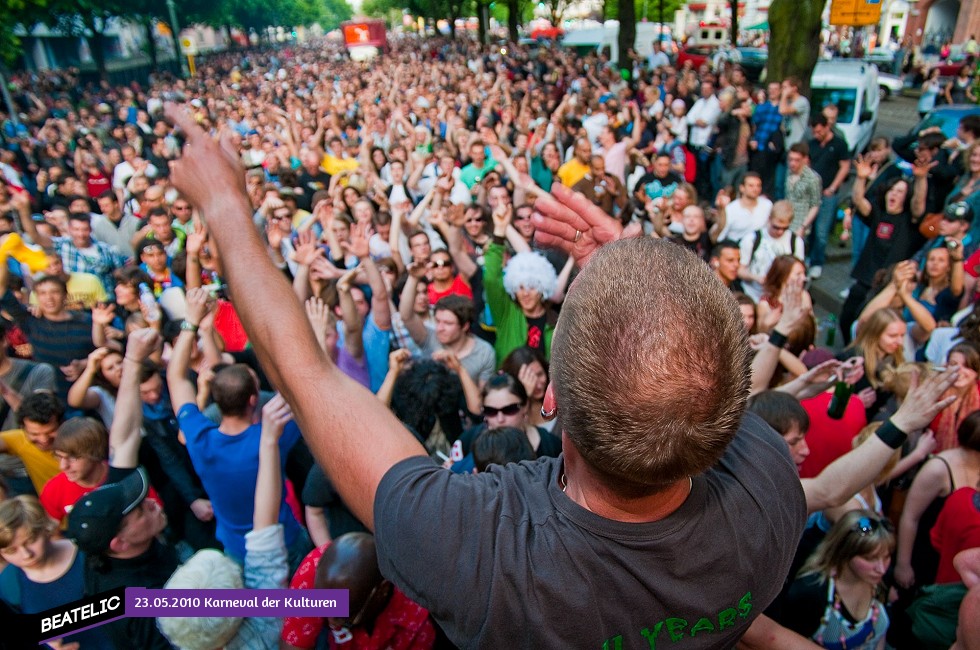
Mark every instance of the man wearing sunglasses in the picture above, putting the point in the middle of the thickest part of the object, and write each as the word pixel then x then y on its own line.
pixel 759 249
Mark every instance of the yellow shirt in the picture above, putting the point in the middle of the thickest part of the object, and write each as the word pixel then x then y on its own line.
pixel 42 466
pixel 85 290
pixel 332 164
pixel 572 172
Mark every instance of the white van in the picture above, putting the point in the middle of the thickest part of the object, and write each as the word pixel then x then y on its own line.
pixel 605 37
pixel 853 86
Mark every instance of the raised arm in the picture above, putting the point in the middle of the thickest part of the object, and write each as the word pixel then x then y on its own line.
pixel 81 395
pixel 843 478
pixel 124 434
pixel 210 176
pixel 268 484
pixel 416 328
pixel 860 203
pixel 22 203
pixel 353 323
pixel 380 311
pixel 920 188
pixel 181 387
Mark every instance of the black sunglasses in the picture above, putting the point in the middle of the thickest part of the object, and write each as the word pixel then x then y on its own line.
pixel 441 263
pixel 510 409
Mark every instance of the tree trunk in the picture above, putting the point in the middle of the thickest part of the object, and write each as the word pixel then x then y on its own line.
pixel 627 32
pixel 452 28
pixel 151 42
pixel 513 20
pixel 484 20
pixel 734 6
pixel 794 40
pixel 96 44
pixel 232 43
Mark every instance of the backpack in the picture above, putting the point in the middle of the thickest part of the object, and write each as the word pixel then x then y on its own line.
pixel 758 242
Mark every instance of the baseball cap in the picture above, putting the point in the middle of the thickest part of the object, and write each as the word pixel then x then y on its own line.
pixel 959 211
pixel 97 516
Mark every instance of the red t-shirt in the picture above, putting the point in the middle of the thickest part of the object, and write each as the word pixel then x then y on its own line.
pixel 956 529
pixel 829 439
pixel 60 495
pixel 229 326
pixel 96 185
pixel 458 288
pixel 402 625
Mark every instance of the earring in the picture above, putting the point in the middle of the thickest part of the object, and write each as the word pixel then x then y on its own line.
pixel 549 415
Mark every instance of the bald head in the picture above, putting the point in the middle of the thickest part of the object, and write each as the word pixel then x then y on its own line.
pixel 351 562
pixel 642 404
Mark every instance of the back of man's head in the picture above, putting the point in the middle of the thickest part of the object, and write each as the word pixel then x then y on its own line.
pixel 650 364
pixel 501 446
pixel 780 410
pixel 233 390
pixel 351 562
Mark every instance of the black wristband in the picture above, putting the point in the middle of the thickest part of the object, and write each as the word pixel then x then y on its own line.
pixel 501 241
pixel 778 339
pixel 891 435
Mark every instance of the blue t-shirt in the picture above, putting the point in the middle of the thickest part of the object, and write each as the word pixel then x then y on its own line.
pixel 377 347
pixel 228 467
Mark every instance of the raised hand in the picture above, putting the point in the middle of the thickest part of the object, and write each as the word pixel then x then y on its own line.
pixel 205 165
pixel 275 415
pixel 568 221
pixel 924 401
pixel 306 248
pixel 863 168
pixel 397 360
pixel 142 343
pixel 199 303
pixel 103 314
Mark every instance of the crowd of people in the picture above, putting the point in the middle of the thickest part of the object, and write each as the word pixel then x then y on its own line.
pixel 517 348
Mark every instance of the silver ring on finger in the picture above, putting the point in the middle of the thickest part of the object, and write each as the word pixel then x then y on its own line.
pixel 578 236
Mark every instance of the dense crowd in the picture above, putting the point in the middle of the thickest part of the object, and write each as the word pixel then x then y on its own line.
pixel 431 210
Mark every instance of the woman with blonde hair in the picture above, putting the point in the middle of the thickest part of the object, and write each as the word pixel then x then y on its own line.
pixel 880 342
pixel 44 571
pixel 967 392
pixel 836 599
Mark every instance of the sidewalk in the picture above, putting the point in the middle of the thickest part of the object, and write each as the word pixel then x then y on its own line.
pixel 835 278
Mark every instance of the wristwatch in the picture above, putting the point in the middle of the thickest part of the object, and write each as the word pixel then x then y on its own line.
pixel 187 326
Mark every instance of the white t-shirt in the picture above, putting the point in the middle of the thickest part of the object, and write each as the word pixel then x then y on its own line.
pixel 741 221
pixel 768 250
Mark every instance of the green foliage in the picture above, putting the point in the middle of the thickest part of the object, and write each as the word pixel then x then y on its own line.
pixel 12 14
pixel 650 9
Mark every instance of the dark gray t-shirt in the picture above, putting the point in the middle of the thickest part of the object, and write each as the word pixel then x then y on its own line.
pixel 504 559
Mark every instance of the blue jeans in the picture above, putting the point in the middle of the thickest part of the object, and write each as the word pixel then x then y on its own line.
pixel 779 192
pixel 821 230
pixel 859 237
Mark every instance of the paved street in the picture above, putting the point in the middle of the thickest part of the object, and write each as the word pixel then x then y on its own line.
pixel 895 117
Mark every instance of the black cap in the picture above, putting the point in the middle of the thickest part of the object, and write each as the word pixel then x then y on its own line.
pixel 96 517
pixel 959 211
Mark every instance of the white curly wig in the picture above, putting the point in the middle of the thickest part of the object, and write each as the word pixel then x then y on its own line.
pixel 531 271
pixel 207 569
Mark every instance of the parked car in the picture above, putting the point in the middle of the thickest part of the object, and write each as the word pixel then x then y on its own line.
pixel 696 54
pixel 952 66
pixel 753 61
pixel 946 117
pixel 889 84
pixel 883 57
pixel 853 87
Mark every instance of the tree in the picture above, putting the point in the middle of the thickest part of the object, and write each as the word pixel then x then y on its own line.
pixel 658 11
pixel 25 13
pixel 557 9
pixel 794 37
pixel 627 31
pixel 91 19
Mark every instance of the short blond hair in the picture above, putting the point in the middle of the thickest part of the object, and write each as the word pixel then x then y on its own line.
pixel 23 512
